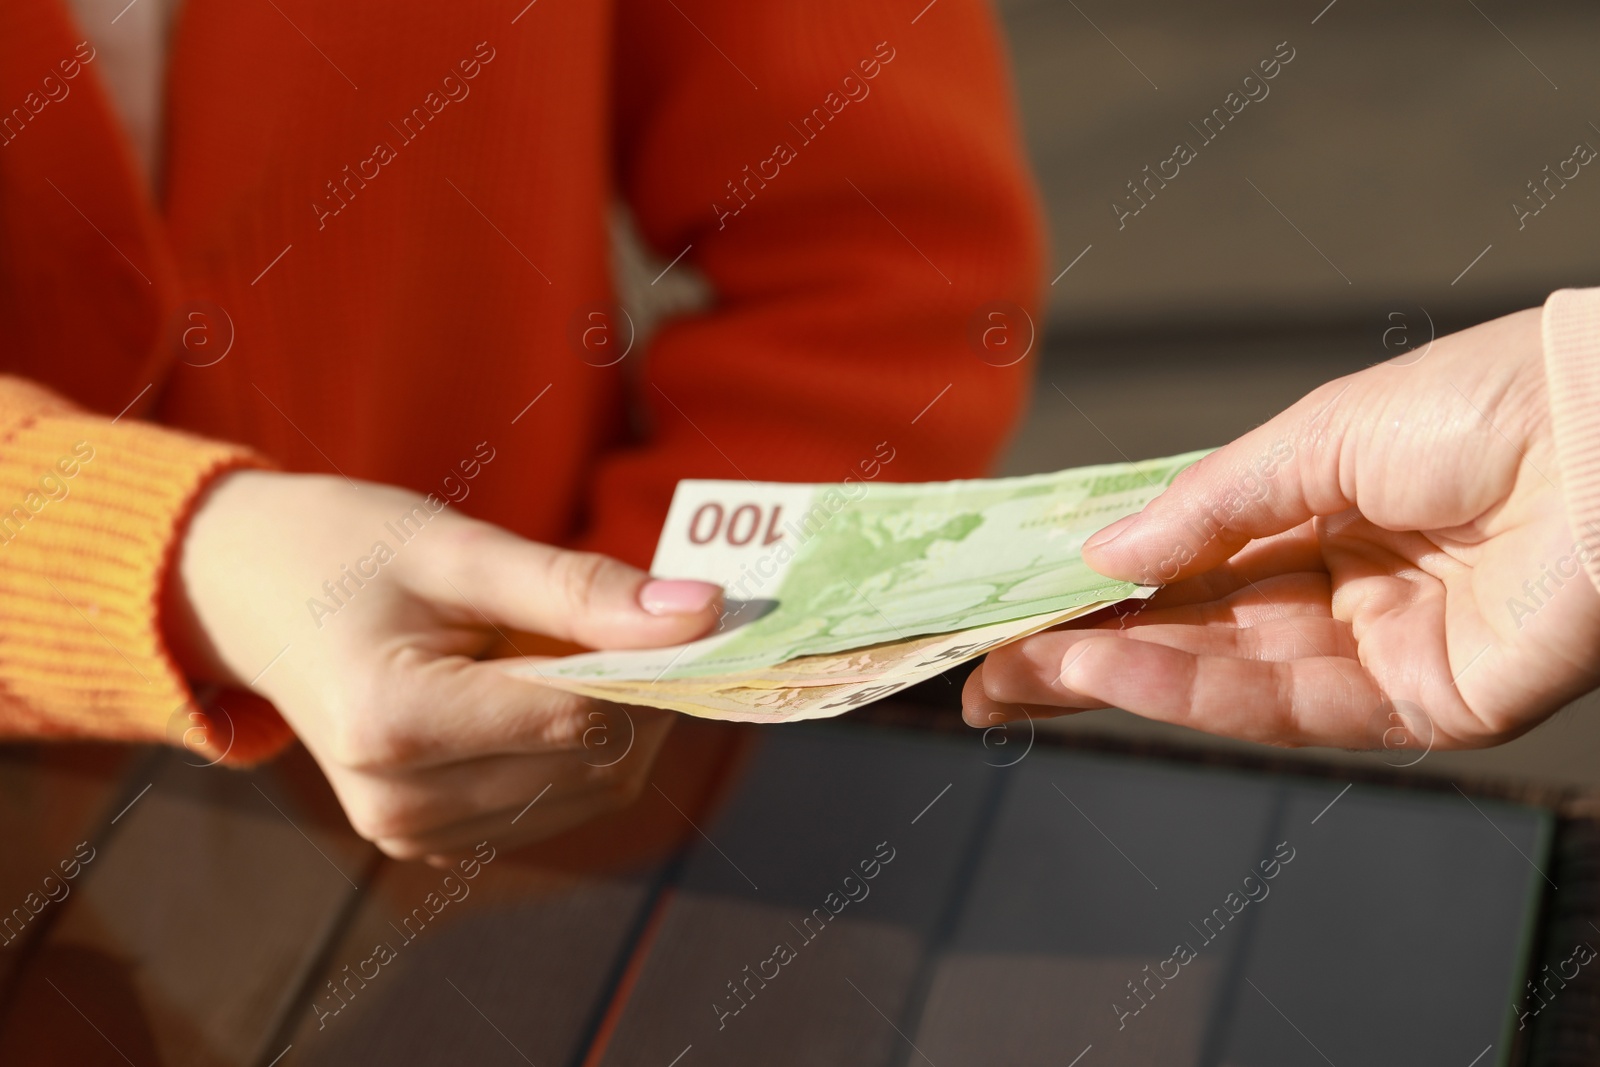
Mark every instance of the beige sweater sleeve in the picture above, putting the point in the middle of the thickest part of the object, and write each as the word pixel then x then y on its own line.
pixel 1572 367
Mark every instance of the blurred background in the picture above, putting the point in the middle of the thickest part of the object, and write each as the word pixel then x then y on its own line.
pixel 1361 206
pixel 1385 160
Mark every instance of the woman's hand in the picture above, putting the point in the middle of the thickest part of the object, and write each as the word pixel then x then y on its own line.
pixel 362 615
pixel 1388 562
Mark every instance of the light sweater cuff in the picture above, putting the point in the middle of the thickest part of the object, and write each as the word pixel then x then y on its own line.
pixel 1572 368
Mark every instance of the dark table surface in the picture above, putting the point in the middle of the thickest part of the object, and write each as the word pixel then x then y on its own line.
pixel 835 894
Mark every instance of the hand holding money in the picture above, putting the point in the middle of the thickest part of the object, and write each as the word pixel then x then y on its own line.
pixel 839 595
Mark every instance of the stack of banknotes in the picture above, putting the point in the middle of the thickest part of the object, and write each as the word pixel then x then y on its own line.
pixel 842 594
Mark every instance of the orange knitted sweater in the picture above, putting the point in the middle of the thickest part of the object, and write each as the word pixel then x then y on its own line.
pixel 381 244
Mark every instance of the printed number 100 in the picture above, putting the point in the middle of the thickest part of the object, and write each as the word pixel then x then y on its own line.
pixel 740 526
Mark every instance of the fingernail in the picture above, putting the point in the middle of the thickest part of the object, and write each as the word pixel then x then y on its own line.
pixel 1112 532
pixel 662 597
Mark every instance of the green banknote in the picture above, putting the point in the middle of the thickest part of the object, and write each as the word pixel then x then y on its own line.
pixel 827 568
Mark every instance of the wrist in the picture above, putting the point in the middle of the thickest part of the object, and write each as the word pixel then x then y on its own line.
pixel 205 546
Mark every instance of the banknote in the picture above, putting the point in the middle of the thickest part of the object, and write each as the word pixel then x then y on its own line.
pixel 844 567
pixel 922 656
pixel 917 658
pixel 755 705
pixel 805 695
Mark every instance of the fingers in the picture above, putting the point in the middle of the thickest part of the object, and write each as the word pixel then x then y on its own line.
pixel 407 804
pixel 510 800
pixel 1272 601
pixel 417 711
pixel 1267 560
pixel 1320 699
pixel 485 575
pixel 437 753
pixel 1268 481
pixel 1033 670
pixel 980 710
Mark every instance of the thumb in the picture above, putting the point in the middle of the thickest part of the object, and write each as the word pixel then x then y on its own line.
pixel 488 575
pixel 1268 481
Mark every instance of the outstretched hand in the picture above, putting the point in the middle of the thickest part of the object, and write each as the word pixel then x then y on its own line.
pixel 1391 553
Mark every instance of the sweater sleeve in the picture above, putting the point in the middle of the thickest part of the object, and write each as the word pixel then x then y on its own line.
pixel 1572 367
pixel 851 184
pixel 91 511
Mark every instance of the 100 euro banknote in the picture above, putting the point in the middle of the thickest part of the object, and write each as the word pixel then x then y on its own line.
pixel 823 569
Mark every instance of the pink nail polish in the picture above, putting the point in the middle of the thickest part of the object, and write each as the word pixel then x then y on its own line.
pixel 663 597
pixel 1112 532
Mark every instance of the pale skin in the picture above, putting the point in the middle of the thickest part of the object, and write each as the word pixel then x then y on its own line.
pixel 429 748
pixel 1406 575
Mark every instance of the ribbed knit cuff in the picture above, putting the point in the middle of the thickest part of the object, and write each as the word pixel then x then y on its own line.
pixel 1572 367
pixel 90 520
